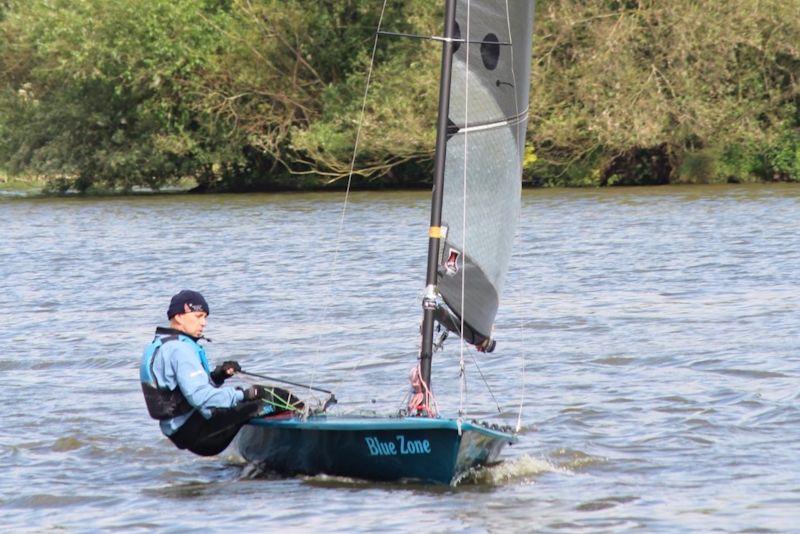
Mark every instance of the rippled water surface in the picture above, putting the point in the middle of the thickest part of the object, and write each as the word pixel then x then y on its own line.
pixel 649 335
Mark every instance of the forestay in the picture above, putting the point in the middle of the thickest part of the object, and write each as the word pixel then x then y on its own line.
pixel 488 115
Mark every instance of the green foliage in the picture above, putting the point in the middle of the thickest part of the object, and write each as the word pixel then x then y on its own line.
pixel 699 167
pixel 778 161
pixel 400 109
pixel 782 161
pixel 100 95
pixel 695 79
pixel 264 94
pixel 284 91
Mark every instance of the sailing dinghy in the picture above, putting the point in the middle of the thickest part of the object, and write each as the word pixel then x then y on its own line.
pixel 483 110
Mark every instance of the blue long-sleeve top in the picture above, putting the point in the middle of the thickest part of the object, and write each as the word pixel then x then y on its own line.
pixel 182 363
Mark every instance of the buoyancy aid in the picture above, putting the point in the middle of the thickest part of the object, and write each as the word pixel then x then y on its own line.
pixel 164 403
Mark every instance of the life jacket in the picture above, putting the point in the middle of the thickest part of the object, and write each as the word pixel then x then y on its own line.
pixel 163 403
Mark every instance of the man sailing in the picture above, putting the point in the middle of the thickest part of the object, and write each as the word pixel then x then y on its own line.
pixel 193 408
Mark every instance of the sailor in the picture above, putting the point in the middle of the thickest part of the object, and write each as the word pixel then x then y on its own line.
pixel 195 411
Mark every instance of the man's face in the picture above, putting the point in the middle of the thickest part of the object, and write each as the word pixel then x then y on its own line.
pixel 191 323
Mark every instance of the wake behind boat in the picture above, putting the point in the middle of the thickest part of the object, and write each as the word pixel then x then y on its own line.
pixel 483 110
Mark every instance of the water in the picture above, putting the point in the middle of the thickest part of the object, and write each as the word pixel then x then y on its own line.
pixel 657 329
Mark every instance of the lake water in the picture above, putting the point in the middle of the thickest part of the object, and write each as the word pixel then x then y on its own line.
pixel 657 329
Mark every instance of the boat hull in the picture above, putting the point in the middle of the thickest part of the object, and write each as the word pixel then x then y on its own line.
pixel 371 448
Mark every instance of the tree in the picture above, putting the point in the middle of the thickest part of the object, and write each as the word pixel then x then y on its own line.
pixel 93 90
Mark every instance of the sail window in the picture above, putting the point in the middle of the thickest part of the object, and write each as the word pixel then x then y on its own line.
pixel 490 51
pixel 456 36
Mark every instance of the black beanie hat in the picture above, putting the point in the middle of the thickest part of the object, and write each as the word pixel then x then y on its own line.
pixel 187 301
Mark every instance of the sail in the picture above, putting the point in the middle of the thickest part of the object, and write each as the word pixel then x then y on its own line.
pixel 487 117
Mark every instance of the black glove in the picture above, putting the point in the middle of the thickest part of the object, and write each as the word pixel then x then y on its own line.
pixel 224 371
pixel 255 393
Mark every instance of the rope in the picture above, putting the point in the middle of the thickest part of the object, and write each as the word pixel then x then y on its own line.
pixel 282 403
pixel 421 398
pixel 334 263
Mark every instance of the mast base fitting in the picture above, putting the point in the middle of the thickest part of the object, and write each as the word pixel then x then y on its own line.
pixel 430 297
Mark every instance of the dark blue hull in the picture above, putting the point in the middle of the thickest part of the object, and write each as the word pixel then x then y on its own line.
pixel 371 448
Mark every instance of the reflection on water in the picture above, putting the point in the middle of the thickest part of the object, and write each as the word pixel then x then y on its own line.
pixel 655 328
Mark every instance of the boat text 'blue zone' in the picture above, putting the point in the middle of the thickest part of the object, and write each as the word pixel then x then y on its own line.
pixel 401 446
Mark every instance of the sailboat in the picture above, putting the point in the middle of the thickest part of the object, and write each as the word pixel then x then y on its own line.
pixel 482 118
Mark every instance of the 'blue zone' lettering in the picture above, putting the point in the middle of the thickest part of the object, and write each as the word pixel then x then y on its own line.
pixel 401 445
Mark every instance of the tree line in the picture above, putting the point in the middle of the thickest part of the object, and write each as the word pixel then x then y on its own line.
pixel 267 94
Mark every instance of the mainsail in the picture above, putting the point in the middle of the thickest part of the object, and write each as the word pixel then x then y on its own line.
pixel 487 117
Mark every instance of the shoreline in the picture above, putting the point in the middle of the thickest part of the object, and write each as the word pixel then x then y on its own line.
pixel 27 188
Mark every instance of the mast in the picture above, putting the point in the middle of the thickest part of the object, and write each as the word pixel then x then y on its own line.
pixel 435 230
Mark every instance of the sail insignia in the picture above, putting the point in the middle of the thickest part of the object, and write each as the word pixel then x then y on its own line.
pixel 451 265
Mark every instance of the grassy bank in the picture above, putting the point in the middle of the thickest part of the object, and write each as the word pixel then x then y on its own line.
pixel 21 185
pixel 27 186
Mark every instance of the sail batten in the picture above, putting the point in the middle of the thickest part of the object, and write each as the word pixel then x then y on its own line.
pixel 521 118
pixel 483 166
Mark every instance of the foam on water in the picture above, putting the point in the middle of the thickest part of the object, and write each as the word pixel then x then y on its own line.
pixel 519 470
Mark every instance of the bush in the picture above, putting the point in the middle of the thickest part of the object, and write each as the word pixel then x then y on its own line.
pixel 782 161
pixel 101 96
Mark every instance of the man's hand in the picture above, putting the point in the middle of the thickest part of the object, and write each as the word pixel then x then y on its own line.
pixel 224 371
pixel 255 393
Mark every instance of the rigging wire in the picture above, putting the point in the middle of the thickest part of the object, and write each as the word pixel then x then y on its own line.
pixel 478 367
pixel 518 427
pixel 519 213
pixel 462 367
pixel 485 382
pixel 334 263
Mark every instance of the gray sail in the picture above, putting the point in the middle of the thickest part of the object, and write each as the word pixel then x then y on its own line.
pixel 489 117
